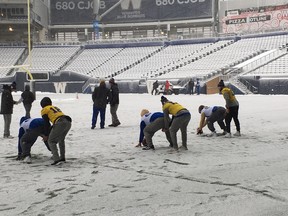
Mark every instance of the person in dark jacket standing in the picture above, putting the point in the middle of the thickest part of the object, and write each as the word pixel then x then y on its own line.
pixel 7 104
pixel 155 87
pixel 100 100
pixel 190 87
pixel 114 102
pixel 198 87
pixel 27 97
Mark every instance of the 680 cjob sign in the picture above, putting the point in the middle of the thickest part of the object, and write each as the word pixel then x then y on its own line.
pixel 81 12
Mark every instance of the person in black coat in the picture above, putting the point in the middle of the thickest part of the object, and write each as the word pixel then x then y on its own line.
pixel 100 100
pixel 155 87
pixel 27 97
pixel 190 87
pixel 7 104
pixel 114 102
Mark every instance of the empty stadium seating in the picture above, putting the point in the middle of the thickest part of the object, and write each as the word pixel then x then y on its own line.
pixel 227 57
pixel 9 57
pixel 50 59
pixel 167 61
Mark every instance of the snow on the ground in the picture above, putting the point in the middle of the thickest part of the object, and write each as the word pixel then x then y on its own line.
pixel 106 175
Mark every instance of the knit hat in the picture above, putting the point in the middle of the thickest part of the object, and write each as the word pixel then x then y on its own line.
pixel 200 108
pixel 221 83
pixel 23 119
pixel 163 99
pixel 13 85
pixel 45 102
pixel 112 80
pixel 102 83
pixel 6 87
pixel 143 112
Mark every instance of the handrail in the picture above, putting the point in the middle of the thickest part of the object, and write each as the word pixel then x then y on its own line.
pixel 277 53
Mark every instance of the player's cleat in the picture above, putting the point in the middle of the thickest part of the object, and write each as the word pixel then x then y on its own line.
pixel 114 125
pixel 56 163
pixel 138 145
pixel 237 133
pixel 172 150
pixel 27 160
pixel 223 133
pixel 212 134
pixel 148 148
pixel 183 148
pixel 8 137
pixel 19 157
pixel 228 135
pixel 117 124
pixel 92 127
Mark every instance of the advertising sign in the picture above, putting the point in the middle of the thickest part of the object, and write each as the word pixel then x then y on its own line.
pixel 256 19
pixel 129 11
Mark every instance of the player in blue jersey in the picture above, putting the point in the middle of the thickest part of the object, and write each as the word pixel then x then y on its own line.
pixel 210 115
pixel 149 125
pixel 30 129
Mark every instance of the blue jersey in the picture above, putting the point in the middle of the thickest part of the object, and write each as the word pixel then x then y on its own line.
pixel 28 124
pixel 146 120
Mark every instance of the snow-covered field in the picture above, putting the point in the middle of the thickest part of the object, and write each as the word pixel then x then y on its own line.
pixel 106 175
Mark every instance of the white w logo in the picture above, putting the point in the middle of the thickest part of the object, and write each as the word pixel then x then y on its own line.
pixel 60 87
pixel 136 4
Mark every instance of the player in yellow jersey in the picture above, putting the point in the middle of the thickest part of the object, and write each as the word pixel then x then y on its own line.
pixel 180 120
pixel 232 108
pixel 61 125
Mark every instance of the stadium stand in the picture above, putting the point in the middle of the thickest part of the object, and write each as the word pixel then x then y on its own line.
pixel 50 59
pixel 227 57
pixel 104 62
pixel 274 68
pixel 12 54
pixel 167 57
pixel 197 59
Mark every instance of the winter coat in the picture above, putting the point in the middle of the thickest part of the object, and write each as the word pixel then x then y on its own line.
pixel 100 96
pixel 155 85
pixel 114 94
pixel 190 84
pixel 28 97
pixel 7 101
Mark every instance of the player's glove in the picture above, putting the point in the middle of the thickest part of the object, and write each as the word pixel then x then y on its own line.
pixel 199 131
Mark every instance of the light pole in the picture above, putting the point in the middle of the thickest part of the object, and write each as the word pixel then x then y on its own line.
pixel 96 7
pixel 32 82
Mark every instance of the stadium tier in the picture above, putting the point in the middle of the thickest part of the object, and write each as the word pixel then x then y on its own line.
pixel 11 57
pixel 164 62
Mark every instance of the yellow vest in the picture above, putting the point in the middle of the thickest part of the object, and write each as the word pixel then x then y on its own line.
pixel 173 108
pixel 52 112
pixel 229 97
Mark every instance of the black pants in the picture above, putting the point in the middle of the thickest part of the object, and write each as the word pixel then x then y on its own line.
pixel 218 116
pixel 28 139
pixel 233 113
pixel 156 91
